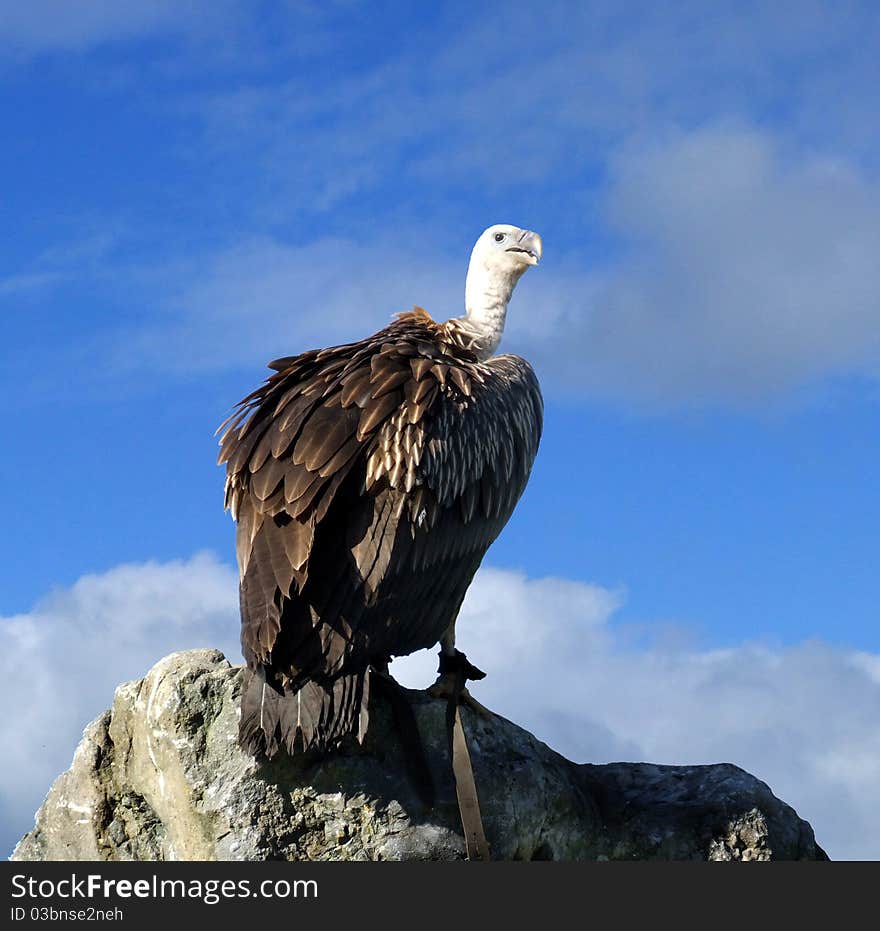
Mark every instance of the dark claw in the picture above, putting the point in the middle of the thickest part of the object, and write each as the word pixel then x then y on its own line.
pixel 459 664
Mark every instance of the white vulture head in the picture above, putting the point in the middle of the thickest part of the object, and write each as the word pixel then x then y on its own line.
pixel 498 260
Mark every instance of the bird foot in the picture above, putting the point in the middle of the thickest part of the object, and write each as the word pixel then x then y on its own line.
pixel 454 672
pixel 444 688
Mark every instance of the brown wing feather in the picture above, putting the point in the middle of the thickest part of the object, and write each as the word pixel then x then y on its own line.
pixel 368 481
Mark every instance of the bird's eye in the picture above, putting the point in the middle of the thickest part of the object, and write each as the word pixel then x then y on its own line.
pixel 499 237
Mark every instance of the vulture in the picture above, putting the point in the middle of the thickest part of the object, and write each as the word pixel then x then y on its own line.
pixel 367 481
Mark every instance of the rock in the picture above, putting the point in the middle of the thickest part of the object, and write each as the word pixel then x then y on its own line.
pixel 160 777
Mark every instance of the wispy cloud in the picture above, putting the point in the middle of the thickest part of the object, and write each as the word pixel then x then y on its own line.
pixel 746 272
pixel 87 256
pixel 265 298
pixel 743 272
pixel 538 96
pixel 803 719
pixel 45 25
pixel 17 285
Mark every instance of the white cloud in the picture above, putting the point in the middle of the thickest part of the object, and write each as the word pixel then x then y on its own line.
pixel 803 718
pixel 750 272
pixel 60 662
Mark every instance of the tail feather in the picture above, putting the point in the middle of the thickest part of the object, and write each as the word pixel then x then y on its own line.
pixel 313 716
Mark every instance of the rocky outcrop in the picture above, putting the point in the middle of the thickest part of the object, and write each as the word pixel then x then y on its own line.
pixel 159 777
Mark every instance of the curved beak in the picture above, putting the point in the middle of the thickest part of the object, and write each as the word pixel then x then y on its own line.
pixel 528 246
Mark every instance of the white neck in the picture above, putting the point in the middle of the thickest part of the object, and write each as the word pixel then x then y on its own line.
pixel 486 293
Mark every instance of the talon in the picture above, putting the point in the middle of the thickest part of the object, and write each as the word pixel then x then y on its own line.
pixel 459 662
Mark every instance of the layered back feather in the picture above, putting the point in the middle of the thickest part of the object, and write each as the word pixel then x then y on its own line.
pixel 367 481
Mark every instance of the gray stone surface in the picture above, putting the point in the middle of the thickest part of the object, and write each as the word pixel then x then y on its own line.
pixel 159 777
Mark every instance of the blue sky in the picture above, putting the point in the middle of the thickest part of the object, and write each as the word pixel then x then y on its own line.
pixel 193 189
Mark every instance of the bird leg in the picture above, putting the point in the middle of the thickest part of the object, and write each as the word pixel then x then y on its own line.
pixel 454 670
